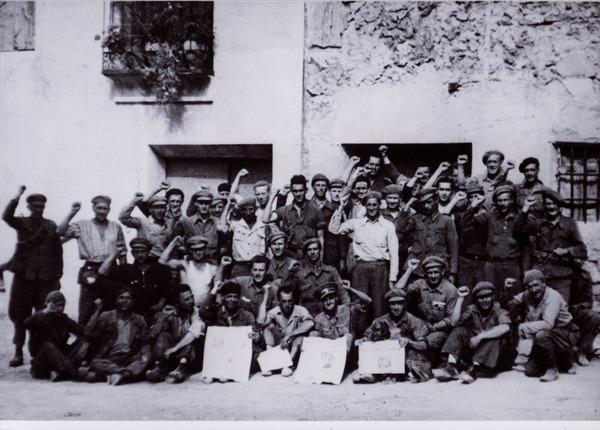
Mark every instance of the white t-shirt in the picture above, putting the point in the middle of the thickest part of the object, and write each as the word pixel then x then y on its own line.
pixel 199 277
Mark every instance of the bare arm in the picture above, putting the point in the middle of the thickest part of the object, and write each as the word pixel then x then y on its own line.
pixel 125 214
pixel 164 257
pixel 9 212
pixel 62 227
pixel 107 264
pixel 268 214
pixel 411 266
pixel 438 172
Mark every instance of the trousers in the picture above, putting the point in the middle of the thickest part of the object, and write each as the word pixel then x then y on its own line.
pixel 552 349
pixel 372 278
pixel 494 354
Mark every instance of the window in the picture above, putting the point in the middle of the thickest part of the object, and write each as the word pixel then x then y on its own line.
pixel 578 180
pixel 137 31
pixel 17 26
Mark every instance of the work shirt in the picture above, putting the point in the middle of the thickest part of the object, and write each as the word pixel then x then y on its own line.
pixel 310 278
pixel 489 185
pixel 38 254
pixel 502 242
pixel 473 319
pixel 335 247
pixel 158 233
pixel 343 322
pixel 240 319
pixel 319 203
pixel 434 234
pixel 408 326
pixel 285 325
pixel 53 327
pixel 179 323
pixel 388 174
pixel 107 332
pixel 253 294
pixel 550 312
pixel 96 242
pixel 472 235
pixel 195 225
pixel 300 224
pixel 279 268
pixel 563 233
pixel 247 242
pixel 524 190
pixel 434 304
pixel 372 240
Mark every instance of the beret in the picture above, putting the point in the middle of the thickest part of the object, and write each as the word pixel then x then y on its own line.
pixel 55 296
pixel 319 177
pixel 424 194
pixel 492 152
pixel 101 199
pixel 483 286
pixel 552 195
pixel 276 236
pixel 526 162
pixel 532 275
pixel 174 191
pixel 224 187
pixel 433 261
pixel 372 195
pixel 336 183
pixel 36 198
pixel 325 289
pixel 196 240
pixel 310 241
pixel 504 188
pixel 157 201
pixel 140 242
pixel 203 195
pixel 247 201
pixel 392 189
pixel 230 287
pixel 395 295
pixel 475 188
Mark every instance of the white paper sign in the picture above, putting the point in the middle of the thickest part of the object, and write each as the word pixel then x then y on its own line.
pixel 321 360
pixel 381 357
pixel 274 359
pixel 228 353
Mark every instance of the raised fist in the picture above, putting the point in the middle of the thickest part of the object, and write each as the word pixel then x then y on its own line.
pixel 510 283
pixel 383 150
pixel 164 185
pixel 75 207
pixel 98 304
pixel 359 171
pixel 444 165
pixel 510 164
pixel 462 159
pixel 463 291
pixel 354 160
pixel 461 195
pixel 413 263
pixel 225 260
pixel 529 201
pixel 478 199
pixel 294 265
pixel 345 284
pixel 266 287
pixel 285 190
pixel 21 190
pixel 138 197
pixel 244 172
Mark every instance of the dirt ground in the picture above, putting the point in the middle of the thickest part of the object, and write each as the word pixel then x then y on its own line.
pixel 510 396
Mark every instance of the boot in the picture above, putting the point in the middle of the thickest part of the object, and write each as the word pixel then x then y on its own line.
pixel 468 376
pixel 449 373
pixel 17 360
pixel 550 375
pixel 583 360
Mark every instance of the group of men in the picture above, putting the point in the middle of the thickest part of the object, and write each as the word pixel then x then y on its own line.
pixel 371 256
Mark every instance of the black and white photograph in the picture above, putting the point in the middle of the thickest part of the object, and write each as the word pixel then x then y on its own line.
pixel 299 211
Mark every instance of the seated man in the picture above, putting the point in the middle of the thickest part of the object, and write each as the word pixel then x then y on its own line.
pixel 588 319
pixel 253 286
pixel 481 336
pixel 120 342
pixel 433 299
pixel 286 325
pixel 49 331
pixel 177 338
pixel 410 331
pixel 547 320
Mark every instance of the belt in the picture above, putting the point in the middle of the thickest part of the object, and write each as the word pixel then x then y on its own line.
pixel 92 264
pixel 473 257
pixel 372 262
pixel 501 260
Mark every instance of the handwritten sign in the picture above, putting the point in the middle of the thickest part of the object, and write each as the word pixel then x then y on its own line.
pixel 227 353
pixel 321 360
pixel 274 359
pixel 381 357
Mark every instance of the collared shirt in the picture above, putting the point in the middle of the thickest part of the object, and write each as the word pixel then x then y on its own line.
pixel 434 234
pixel 489 185
pixel 408 326
pixel 287 325
pixel 502 242
pixel 310 278
pixel 147 227
pixel 300 224
pixel 472 235
pixel 318 202
pixel 473 318
pixel 434 304
pixel 342 323
pixel 240 319
pixel 372 240
pixel 279 268
pixel 388 174
pixel 96 242
pixel 248 242
pixel 51 327
pixel 108 331
pixel 550 312
pixel 39 253
pixel 195 225
pixel 253 294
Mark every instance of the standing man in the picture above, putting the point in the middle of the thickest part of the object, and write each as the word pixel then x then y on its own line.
pixel 375 247
pixel 530 168
pixel 300 220
pixel 175 198
pixel 336 246
pixel 380 175
pixel 37 264
pixel 320 185
pixel 494 174
pixel 97 239
pixel 280 263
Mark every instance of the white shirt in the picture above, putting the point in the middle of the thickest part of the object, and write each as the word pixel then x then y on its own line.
pixel 199 277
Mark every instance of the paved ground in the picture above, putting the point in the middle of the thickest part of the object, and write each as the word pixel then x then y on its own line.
pixel 509 396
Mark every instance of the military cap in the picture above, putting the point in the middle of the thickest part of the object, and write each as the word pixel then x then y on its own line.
pixel 309 242
pixel 532 275
pixel 36 198
pixel 392 189
pixel 55 296
pixel 552 195
pixel 424 194
pixel 174 191
pixel 526 162
pixel 336 183
pixel 203 195
pixel 101 199
pixel 196 240
pixel 224 187
pixel 492 152
pixel 276 236
pixel 372 195
pixel 319 177
pixel 395 295
pixel 157 201
pixel 248 201
pixel 475 188
pixel 230 287
pixel 483 287
pixel 140 242
pixel 504 188
pixel 433 261
pixel 326 289
pixel 217 200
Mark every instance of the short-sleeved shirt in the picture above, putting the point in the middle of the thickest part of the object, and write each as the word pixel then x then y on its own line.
pixel 95 243
pixel 157 233
pixel 247 242
pixel 409 326
pixel 253 294
pixel 285 325
pixel 300 224
pixel 342 323
pixel 311 278
pixel 433 304
pixel 473 319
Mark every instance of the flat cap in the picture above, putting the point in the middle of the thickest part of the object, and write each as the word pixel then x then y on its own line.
pixel 36 198
pixel 392 189
pixel 548 193
pixel 433 261
pixel 372 195
pixel 203 195
pixel 196 240
pixel 424 194
pixel 319 177
pixel 101 199
pixel 336 183
pixel 157 201
pixel 230 287
pixel 276 236
pixel 532 275
pixel 483 287
pixel 395 295
pixel 526 162
pixel 504 188
pixel 55 296
pixel 140 242
pixel 475 188
pixel 309 242
pixel 247 201
pixel 492 152
pixel 326 289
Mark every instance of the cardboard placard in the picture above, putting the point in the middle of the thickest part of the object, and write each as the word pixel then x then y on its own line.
pixel 321 360
pixel 228 353
pixel 274 359
pixel 384 357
